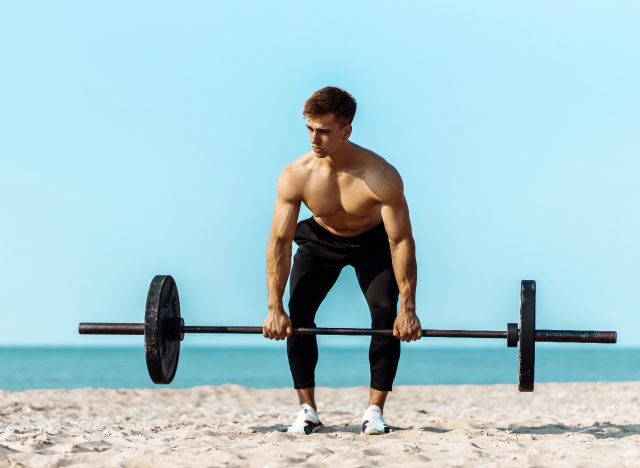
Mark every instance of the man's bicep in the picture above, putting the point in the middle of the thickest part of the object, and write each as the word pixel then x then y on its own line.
pixel 393 206
pixel 285 219
pixel 395 215
pixel 286 210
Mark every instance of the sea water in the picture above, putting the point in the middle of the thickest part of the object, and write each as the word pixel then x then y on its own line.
pixel 23 368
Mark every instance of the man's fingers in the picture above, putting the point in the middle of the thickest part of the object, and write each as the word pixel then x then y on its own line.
pixel 283 331
pixel 408 334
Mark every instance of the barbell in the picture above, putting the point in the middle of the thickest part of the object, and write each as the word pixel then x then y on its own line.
pixel 164 329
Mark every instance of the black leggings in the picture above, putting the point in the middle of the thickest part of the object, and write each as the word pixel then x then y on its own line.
pixel 317 264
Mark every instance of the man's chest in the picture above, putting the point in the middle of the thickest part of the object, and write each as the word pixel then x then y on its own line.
pixel 342 193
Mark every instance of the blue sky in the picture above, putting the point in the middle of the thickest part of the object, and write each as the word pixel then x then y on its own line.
pixel 147 138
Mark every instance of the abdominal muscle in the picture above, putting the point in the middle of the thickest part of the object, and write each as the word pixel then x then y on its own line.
pixel 342 223
pixel 344 232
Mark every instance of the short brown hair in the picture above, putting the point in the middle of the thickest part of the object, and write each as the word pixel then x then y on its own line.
pixel 331 100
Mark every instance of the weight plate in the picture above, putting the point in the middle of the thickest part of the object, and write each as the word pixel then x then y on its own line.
pixel 527 336
pixel 512 335
pixel 162 329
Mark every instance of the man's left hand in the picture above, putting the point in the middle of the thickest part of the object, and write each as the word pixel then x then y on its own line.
pixel 407 327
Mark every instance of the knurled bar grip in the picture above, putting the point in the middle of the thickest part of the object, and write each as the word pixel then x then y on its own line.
pixel 560 336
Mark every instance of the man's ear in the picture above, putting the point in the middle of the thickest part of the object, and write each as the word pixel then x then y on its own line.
pixel 347 131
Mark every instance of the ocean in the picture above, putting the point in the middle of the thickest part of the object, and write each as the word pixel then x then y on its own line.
pixel 23 368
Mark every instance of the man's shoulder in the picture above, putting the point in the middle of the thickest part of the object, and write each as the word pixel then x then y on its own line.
pixel 376 164
pixel 382 177
pixel 293 177
pixel 299 166
pixel 381 174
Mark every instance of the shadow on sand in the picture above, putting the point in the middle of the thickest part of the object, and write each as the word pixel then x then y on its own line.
pixel 602 430
pixel 324 429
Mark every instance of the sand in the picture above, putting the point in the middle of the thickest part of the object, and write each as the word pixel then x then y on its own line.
pixel 559 425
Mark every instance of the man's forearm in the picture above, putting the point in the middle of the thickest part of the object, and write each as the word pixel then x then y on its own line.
pixel 278 266
pixel 403 257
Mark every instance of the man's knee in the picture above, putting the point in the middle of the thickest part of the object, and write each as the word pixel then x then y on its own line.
pixel 383 304
pixel 383 313
pixel 300 317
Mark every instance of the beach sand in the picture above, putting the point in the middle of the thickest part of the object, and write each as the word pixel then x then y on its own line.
pixel 593 424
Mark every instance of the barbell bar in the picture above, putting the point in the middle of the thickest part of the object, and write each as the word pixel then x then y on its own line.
pixel 564 336
pixel 164 329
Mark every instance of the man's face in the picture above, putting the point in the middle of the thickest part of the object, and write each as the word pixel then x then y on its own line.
pixel 327 134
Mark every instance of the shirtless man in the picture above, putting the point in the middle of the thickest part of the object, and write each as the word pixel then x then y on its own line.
pixel 360 218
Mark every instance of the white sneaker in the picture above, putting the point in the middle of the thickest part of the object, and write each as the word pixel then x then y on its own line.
pixel 373 423
pixel 306 422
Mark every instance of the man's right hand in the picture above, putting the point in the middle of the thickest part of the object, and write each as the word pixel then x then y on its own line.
pixel 277 326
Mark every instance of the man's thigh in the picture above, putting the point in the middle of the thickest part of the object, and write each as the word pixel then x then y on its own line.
pixel 312 276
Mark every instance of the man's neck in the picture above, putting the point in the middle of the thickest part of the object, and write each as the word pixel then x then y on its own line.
pixel 344 157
